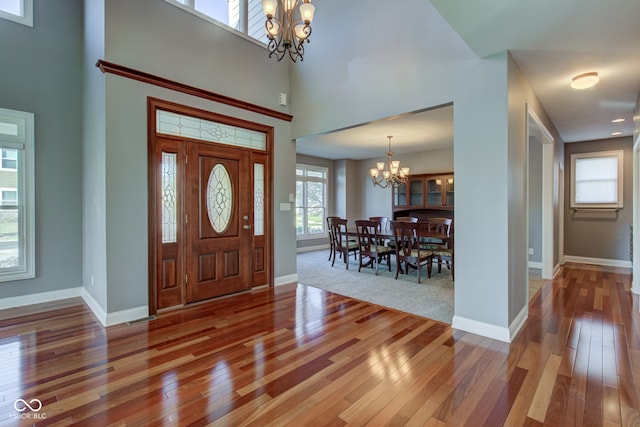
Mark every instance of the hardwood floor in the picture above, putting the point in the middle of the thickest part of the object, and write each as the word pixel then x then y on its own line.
pixel 301 356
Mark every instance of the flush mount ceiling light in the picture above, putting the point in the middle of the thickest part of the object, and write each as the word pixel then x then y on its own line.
pixel 584 81
pixel 617 120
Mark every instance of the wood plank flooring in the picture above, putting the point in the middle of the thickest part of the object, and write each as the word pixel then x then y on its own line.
pixel 299 356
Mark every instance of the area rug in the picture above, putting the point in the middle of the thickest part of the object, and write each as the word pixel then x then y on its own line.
pixel 432 298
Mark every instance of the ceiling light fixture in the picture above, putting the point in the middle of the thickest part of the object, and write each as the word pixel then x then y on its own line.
pixel 585 81
pixel 616 133
pixel 389 173
pixel 617 120
pixel 287 35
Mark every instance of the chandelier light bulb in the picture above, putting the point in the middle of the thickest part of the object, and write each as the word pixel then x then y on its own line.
pixel 306 12
pixel 269 7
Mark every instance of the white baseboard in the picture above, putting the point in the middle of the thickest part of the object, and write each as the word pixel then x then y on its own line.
pixel 492 331
pixel 556 270
pixel 283 280
pixel 518 322
pixel 598 261
pixel 117 317
pixel 128 315
pixel 480 328
pixel 535 264
pixel 23 300
pixel 95 308
pixel 312 248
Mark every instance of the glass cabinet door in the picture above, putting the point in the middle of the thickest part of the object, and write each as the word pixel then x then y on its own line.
pixel 400 195
pixel 434 192
pixel 416 193
pixel 449 191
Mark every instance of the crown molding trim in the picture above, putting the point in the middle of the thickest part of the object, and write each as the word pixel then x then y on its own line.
pixel 141 76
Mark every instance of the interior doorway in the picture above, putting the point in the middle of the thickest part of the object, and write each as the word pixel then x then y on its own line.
pixel 210 232
pixel 541 193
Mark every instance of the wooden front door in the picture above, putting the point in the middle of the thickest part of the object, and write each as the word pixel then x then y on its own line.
pixel 210 222
pixel 219 201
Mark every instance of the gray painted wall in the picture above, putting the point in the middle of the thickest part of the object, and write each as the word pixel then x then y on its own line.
pixel 94 277
pixel 176 49
pixel 593 234
pixel 41 72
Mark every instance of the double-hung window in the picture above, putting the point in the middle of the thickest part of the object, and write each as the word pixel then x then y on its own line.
pixel 244 16
pixel 596 180
pixel 20 11
pixel 311 200
pixel 17 201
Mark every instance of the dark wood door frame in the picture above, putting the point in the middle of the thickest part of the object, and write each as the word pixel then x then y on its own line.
pixel 266 272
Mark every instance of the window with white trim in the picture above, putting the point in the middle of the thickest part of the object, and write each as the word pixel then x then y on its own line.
pixel 311 201
pixel 20 11
pixel 596 180
pixel 17 201
pixel 244 16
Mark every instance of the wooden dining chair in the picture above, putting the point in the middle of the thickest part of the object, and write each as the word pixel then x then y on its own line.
pixel 407 219
pixel 408 252
pixel 332 248
pixel 442 249
pixel 383 221
pixel 341 242
pixel 369 245
pixel 392 243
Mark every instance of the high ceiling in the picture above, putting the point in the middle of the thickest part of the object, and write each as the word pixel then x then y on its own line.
pixel 551 41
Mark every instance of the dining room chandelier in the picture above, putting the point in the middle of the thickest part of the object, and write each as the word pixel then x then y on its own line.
pixel 287 32
pixel 389 173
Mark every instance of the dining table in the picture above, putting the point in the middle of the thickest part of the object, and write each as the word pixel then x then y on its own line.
pixel 432 236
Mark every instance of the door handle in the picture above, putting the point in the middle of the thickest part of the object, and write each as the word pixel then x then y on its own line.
pixel 246 227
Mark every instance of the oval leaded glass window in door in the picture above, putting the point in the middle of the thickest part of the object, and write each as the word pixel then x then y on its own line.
pixel 219 198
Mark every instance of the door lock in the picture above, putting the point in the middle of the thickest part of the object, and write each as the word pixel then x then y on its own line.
pixel 246 217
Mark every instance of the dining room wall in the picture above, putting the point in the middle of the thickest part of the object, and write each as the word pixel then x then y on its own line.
pixel 377 201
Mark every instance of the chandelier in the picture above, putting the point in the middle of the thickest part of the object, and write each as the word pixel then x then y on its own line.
pixel 287 35
pixel 389 173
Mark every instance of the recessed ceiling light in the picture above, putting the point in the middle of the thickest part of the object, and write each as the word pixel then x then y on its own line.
pixel 617 120
pixel 584 81
pixel 616 133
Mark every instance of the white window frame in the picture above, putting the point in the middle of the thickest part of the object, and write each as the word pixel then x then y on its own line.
pixel 24 142
pixel 306 179
pixel 26 18
pixel 576 157
pixel 243 31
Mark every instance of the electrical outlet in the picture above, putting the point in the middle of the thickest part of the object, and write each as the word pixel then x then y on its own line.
pixel 530 251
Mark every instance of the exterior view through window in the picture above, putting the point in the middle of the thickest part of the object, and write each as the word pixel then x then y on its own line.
pixel 16 195
pixel 311 200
